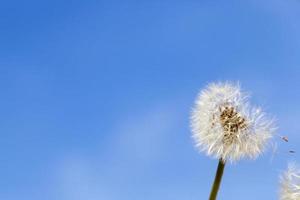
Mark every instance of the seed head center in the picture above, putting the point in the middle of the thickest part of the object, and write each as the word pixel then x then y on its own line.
pixel 232 123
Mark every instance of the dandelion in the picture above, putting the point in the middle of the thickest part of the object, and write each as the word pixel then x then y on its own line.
pixel 226 127
pixel 290 183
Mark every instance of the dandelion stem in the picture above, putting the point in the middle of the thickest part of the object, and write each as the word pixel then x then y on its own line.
pixel 217 181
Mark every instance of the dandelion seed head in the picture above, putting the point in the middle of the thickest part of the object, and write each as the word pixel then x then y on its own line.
pixel 290 183
pixel 225 126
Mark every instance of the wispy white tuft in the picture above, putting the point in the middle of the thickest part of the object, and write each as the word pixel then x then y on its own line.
pixel 290 183
pixel 225 126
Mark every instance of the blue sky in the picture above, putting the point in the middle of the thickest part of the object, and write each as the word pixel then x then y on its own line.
pixel 96 95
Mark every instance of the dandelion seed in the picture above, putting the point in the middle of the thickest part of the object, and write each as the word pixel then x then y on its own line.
pixel 285 138
pixel 290 183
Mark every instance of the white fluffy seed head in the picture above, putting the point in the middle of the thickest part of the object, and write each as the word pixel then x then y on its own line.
pixel 290 183
pixel 225 126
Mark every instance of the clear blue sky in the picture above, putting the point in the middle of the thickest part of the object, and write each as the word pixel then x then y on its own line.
pixel 96 95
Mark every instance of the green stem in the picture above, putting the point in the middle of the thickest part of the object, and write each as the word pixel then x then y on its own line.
pixel 217 182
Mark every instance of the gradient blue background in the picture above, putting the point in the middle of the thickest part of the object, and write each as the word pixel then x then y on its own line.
pixel 96 95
